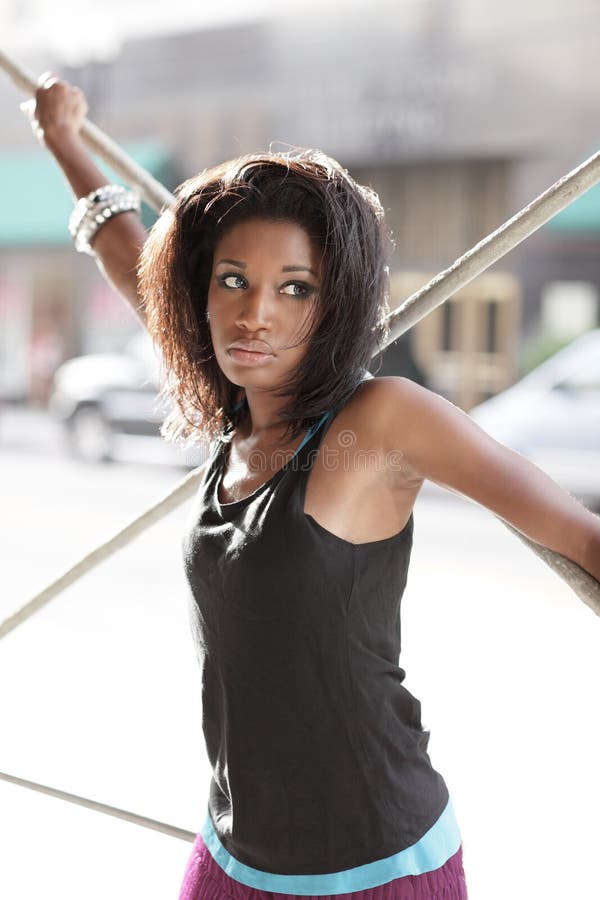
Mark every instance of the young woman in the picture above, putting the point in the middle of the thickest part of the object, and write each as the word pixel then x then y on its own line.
pixel 264 290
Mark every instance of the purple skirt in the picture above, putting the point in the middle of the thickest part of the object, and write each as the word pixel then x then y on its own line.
pixel 204 879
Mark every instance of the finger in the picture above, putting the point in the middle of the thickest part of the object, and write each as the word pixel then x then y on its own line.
pixel 78 94
pixel 27 107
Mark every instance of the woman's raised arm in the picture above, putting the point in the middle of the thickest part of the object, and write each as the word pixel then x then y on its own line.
pixel 56 114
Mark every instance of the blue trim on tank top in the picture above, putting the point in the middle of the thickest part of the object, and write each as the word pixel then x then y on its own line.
pixel 430 852
pixel 312 430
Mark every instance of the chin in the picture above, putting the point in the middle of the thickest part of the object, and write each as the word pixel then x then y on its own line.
pixel 249 375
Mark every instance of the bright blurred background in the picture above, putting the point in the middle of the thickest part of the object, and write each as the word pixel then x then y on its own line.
pixel 458 113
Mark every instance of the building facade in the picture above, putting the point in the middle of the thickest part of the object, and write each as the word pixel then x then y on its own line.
pixel 457 113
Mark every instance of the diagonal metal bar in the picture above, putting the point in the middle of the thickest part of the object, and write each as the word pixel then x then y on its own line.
pixel 135 818
pixel 171 500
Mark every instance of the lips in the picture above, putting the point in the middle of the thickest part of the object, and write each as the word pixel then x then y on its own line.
pixel 251 347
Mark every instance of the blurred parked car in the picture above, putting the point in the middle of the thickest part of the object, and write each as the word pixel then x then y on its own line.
pixel 107 404
pixel 552 416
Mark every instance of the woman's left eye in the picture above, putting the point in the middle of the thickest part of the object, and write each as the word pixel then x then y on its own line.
pixel 305 289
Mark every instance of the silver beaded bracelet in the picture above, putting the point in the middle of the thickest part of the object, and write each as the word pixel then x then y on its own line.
pixel 96 209
pixel 85 204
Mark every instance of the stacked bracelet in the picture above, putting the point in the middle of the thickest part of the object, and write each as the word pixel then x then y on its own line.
pixel 95 210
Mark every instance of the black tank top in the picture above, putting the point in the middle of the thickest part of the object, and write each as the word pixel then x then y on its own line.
pixel 318 753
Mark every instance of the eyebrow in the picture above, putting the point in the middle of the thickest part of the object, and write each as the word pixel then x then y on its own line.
pixel 242 265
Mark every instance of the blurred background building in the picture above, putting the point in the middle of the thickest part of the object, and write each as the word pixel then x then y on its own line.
pixel 456 112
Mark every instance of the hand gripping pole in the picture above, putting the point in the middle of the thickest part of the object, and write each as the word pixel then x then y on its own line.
pixel 150 190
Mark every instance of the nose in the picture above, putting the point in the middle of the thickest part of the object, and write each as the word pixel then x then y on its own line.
pixel 255 309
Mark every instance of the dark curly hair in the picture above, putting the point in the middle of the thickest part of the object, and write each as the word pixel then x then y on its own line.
pixel 346 221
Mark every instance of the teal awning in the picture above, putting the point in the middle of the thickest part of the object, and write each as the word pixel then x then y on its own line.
pixel 580 217
pixel 35 200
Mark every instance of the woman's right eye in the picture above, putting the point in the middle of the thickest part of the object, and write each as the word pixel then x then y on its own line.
pixel 223 279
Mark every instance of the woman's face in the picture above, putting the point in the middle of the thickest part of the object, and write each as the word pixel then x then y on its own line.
pixel 264 284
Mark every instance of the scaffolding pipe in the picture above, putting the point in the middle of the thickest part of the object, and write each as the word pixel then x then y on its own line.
pixel 144 821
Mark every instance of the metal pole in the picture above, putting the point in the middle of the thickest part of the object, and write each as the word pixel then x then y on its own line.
pixel 144 821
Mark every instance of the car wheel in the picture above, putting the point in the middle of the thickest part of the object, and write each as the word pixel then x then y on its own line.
pixel 90 435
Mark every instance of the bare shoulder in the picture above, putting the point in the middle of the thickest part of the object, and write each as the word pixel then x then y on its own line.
pixel 381 416
pixel 432 436
pixel 378 393
pixel 431 431
pixel 391 407
pixel 367 398
pixel 404 403
pixel 386 389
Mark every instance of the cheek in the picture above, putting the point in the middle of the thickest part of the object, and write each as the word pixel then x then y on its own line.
pixel 306 323
pixel 214 311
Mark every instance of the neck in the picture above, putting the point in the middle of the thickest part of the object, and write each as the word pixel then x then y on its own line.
pixel 262 422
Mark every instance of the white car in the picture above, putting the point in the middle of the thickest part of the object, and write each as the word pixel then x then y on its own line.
pixel 552 416
pixel 108 406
